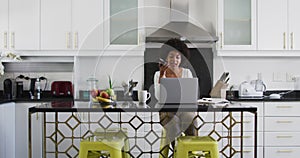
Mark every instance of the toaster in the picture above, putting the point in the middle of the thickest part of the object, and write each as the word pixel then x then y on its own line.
pixel 62 89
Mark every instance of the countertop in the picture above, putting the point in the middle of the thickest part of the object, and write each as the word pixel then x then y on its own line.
pixel 132 106
pixel 293 96
pixel 45 97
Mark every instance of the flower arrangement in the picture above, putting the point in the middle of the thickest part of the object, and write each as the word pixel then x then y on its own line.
pixel 9 56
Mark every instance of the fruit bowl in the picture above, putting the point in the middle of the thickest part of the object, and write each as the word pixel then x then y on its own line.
pixel 104 101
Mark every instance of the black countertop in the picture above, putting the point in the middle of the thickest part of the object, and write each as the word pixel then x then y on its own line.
pixel 45 97
pixel 293 96
pixel 124 106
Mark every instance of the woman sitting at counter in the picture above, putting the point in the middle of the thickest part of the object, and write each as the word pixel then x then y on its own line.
pixel 174 52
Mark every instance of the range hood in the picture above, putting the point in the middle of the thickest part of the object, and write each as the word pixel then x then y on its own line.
pixel 180 27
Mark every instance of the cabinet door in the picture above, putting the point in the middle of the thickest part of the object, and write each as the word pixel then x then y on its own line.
pixel 237 24
pixel 272 25
pixel 7 130
pixel 55 24
pixel 294 24
pixel 87 24
pixel 24 24
pixel 22 131
pixel 122 24
pixel 3 24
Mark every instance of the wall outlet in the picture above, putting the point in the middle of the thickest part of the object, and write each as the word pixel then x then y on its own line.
pixel 290 77
pixel 279 77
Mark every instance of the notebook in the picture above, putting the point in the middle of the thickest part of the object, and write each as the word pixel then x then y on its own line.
pixel 178 90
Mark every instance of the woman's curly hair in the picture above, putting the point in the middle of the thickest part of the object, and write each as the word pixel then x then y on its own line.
pixel 174 44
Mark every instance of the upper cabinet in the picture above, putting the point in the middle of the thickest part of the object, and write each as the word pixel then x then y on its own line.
pixel 122 24
pixel 56 24
pixel 237 24
pixel 278 25
pixel 87 24
pixel 71 25
pixel 19 25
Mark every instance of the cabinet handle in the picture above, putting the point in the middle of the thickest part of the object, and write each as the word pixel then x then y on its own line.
pixel 284 40
pixel 284 121
pixel 76 39
pixel 292 40
pixel 5 40
pixel 284 151
pixel 246 121
pixel 284 136
pixel 68 35
pixel 221 42
pixel 280 106
pixel 12 40
pixel 247 151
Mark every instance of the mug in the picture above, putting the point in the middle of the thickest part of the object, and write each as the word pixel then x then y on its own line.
pixel 143 96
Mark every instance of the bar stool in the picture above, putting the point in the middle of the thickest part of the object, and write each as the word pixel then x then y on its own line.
pixel 112 142
pixel 164 145
pixel 190 144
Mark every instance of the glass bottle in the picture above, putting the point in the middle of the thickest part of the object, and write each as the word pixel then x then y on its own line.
pixel 259 84
pixel 93 89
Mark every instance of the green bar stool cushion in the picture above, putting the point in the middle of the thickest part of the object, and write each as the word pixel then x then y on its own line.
pixel 187 144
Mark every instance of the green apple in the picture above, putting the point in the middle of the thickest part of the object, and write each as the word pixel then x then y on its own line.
pixel 110 92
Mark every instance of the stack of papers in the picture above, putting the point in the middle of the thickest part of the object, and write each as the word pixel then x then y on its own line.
pixel 213 101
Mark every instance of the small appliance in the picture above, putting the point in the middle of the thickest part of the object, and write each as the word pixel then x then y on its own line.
pixel 248 90
pixel 19 85
pixel 62 89
pixel 8 88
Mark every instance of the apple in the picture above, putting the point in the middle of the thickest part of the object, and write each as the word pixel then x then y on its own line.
pixel 94 93
pixel 104 94
pixel 110 92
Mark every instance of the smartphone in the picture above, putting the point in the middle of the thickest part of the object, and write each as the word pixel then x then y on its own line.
pixel 163 61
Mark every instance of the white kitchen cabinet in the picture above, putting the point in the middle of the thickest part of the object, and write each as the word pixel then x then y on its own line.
pixel 278 26
pixel 123 25
pixel 21 126
pixel 71 25
pixel 4 24
pixel 7 130
pixel 294 24
pixel 282 152
pixel 20 24
pixel 237 24
pixel 87 24
pixel 56 24
pixel 248 130
pixel 282 129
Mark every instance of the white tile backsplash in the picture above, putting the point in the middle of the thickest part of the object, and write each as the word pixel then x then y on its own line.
pixel 246 68
pixel 120 68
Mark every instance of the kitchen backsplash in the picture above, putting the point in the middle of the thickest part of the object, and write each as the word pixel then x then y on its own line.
pixel 277 72
pixel 120 68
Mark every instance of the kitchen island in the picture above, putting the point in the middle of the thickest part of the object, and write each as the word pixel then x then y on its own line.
pixel 64 126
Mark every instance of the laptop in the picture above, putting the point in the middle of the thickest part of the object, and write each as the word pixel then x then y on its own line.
pixel 178 90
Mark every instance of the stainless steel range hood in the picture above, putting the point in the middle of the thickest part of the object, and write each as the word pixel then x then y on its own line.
pixel 180 27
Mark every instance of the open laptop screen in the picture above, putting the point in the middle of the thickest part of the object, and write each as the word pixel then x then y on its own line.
pixel 178 90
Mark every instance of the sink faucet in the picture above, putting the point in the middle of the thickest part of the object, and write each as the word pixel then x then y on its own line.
pixel 128 89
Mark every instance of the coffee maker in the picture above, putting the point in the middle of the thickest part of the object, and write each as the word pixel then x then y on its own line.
pixel 8 88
